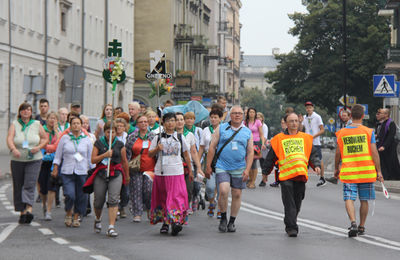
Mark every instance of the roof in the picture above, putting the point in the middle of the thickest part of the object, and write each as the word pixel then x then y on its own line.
pixel 259 61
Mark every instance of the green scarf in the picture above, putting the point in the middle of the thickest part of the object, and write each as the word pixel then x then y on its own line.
pixel 156 125
pixel 105 120
pixel 145 137
pixel 186 130
pixel 76 139
pixel 211 129
pixel 105 143
pixel 25 126
pixel 131 129
pixel 66 125
pixel 51 133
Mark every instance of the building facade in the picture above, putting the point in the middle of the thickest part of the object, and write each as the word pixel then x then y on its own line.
pixel 39 39
pixel 196 44
pixel 253 69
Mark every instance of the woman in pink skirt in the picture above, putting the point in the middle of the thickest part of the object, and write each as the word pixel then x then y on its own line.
pixel 169 200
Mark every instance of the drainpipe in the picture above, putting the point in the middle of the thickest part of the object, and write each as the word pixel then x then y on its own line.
pixel 45 47
pixel 9 63
pixel 105 44
pixel 83 52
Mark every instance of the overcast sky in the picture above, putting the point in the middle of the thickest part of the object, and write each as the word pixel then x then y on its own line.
pixel 266 25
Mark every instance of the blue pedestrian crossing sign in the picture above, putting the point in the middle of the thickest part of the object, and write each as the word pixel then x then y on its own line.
pixel 385 86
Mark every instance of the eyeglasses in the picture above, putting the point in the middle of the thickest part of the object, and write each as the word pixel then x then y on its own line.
pixel 237 113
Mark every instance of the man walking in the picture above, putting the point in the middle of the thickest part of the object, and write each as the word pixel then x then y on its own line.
pixel 234 145
pixel 387 145
pixel 293 150
pixel 314 126
pixel 360 167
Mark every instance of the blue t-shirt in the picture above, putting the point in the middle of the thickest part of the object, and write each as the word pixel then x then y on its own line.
pixel 373 141
pixel 233 156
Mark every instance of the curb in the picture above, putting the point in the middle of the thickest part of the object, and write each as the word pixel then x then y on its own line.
pixel 390 188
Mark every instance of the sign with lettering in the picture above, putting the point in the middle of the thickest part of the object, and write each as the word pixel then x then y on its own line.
pixel 355 144
pixel 292 146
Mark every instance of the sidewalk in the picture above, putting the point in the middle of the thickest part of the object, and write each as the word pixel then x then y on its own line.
pixel 5 165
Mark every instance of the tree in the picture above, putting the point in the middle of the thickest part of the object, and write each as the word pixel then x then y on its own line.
pixel 313 69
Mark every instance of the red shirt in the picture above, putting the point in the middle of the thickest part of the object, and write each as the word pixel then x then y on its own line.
pixel 146 163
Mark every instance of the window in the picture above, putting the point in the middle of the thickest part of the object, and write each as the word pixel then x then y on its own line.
pixel 65 5
pixel 63 22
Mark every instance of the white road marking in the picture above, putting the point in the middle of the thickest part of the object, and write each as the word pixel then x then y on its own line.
pixel 3 198
pixel 79 249
pixel 7 231
pixel 381 242
pixel 46 231
pixel 10 207
pixel 35 224
pixel 99 257
pixel 60 241
pixel 15 213
pixel 2 195
pixel 6 203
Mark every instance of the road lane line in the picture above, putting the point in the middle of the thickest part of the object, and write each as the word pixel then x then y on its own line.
pixel 46 231
pixel 7 231
pixel 382 242
pixel 6 203
pixel 79 249
pixel 99 257
pixel 35 224
pixel 60 241
pixel 10 207
pixel 3 199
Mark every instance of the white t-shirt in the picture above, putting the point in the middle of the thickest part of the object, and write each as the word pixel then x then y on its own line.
pixel 190 140
pixel 265 131
pixel 169 161
pixel 123 137
pixel 311 126
pixel 206 139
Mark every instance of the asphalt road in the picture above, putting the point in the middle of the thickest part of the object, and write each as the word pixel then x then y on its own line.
pixel 260 232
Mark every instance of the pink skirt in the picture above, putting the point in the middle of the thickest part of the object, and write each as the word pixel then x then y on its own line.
pixel 169 200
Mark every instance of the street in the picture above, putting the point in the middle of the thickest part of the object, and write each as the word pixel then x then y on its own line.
pixel 260 232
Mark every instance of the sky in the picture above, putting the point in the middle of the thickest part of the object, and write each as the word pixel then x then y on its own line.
pixel 266 25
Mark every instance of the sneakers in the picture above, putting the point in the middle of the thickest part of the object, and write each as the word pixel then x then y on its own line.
pixel 137 219
pixel 190 212
pixel 223 225
pixel 274 184
pixel 176 228
pixel 218 214
pixel 47 216
pixel 353 230
pixel 262 184
pixel 321 182
pixel 111 232
pixel 292 233
pixel 195 205
pixel 231 227
pixel 210 212
pixel 332 180
pixel 122 213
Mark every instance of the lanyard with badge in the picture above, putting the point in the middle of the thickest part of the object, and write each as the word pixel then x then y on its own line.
pixel 25 128
pixel 75 141
pixel 104 142
pixel 309 119
pixel 145 143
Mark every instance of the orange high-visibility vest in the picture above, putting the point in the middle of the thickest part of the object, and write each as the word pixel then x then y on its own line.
pixel 355 150
pixel 293 152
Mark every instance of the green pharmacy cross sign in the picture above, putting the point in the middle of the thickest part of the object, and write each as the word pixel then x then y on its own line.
pixel 114 71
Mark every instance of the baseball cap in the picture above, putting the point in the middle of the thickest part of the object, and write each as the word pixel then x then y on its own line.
pixel 308 103
pixel 75 104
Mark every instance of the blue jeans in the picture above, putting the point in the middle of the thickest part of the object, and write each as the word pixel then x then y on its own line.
pixel 73 193
pixel 211 186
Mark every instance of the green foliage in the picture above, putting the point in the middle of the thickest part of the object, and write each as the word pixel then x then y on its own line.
pixel 313 70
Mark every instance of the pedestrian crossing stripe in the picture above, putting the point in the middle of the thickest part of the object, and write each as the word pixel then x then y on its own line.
pixel 384 87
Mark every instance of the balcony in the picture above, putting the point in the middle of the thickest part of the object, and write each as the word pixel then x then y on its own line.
pixel 201 86
pixel 394 53
pixel 223 27
pixel 213 90
pixel 183 34
pixel 199 45
pixel 212 53
pixel 225 61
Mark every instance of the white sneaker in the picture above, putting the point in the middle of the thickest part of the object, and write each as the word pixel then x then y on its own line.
pixel 47 216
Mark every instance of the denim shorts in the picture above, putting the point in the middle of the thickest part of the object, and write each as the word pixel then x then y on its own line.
pixel 365 191
pixel 229 176
pixel 319 152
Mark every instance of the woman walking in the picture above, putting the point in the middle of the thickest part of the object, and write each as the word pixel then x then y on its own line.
pixel 141 184
pixel 106 116
pixel 104 185
pixel 74 151
pixel 48 186
pixel 258 140
pixel 25 139
pixel 169 200
pixel 264 153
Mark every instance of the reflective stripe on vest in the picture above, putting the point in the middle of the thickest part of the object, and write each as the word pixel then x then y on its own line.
pixel 355 148
pixel 293 152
